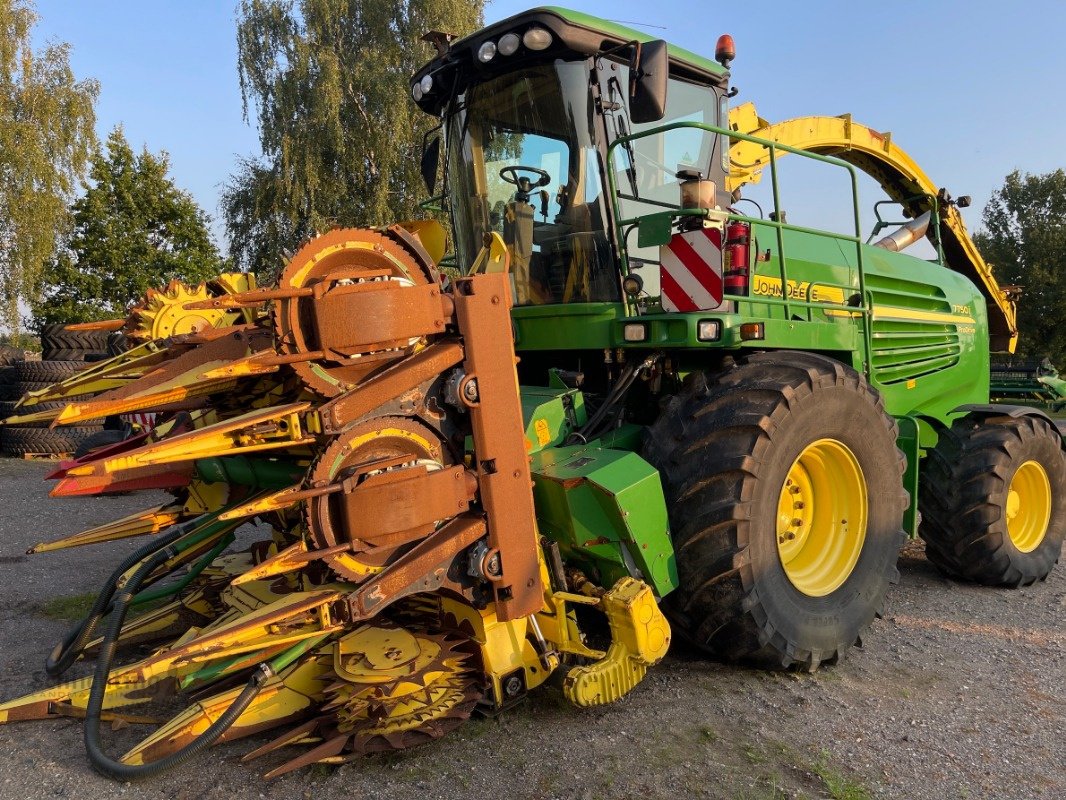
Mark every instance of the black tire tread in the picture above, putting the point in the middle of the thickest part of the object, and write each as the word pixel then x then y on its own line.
pixel 22 441
pixel 10 355
pixel 117 343
pixel 963 526
pixel 733 413
pixel 57 337
pixel 46 371
pixel 66 354
pixel 20 389
pixel 50 406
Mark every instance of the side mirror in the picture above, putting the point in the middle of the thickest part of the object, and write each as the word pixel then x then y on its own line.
pixel 648 83
pixel 430 162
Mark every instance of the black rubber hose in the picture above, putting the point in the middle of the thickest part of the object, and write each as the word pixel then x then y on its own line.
pixel 117 770
pixel 617 393
pixel 67 651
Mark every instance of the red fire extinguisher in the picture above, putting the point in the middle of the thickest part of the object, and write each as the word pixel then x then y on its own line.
pixel 735 258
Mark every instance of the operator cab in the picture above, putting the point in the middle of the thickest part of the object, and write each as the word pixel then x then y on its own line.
pixel 530 107
pixel 522 162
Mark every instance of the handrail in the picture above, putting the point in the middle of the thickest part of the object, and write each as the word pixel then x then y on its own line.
pixel 772 147
pixel 903 180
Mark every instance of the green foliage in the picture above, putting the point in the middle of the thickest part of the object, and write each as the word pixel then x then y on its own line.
pixel 839 786
pixel 1025 241
pixel 46 137
pixel 328 83
pixel 69 608
pixel 21 340
pixel 133 229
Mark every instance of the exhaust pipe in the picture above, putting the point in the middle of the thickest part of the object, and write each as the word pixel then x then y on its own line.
pixel 907 235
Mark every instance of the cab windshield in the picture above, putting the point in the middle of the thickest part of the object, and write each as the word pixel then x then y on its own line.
pixel 522 162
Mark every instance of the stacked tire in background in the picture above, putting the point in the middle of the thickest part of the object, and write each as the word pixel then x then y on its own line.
pixel 63 353
pixel 59 344
pixel 9 356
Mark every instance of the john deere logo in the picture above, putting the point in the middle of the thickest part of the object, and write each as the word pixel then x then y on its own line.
pixel 771 287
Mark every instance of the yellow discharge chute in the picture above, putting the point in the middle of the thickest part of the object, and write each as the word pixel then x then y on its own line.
pixel 900 176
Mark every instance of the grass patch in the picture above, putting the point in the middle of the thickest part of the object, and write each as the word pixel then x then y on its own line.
pixel 74 607
pixel 319 772
pixel 70 608
pixel 478 726
pixel 768 790
pixel 839 786
pixel 708 734
pixel 752 754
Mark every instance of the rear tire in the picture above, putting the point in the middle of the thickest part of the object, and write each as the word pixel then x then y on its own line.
pixel 725 448
pixel 972 525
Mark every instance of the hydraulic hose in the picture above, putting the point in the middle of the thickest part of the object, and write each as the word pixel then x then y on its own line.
pixel 620 388
pixel 629 376
pixel 118 770
pixel 172 589
pixel 67 651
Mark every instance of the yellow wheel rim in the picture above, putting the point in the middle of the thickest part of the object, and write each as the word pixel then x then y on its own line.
pixel 821 517
pixel 1028 506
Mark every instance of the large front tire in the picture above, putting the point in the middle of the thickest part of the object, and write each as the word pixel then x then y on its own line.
pixel 993 500
pixel 786 501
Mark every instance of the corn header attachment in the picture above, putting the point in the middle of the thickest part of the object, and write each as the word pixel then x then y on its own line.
pixel 366 415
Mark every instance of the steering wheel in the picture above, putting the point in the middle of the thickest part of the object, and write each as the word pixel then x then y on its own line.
pixel 510 174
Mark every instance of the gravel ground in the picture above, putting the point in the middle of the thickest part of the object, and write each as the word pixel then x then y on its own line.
pixel 958 692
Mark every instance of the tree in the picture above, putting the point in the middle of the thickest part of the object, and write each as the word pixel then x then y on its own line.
pixel 133 229
pixel 329 84
pixel 1024 238
pixel 46 138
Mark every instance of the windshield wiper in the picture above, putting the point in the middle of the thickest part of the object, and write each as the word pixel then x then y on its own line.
pixel 618 115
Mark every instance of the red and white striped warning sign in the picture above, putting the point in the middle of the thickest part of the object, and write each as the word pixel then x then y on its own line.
pixel 690 271
pixel 146 421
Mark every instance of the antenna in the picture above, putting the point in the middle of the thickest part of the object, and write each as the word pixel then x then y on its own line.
pixel 641 24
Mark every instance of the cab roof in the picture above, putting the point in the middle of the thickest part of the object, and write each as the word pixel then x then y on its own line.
pixel 573 35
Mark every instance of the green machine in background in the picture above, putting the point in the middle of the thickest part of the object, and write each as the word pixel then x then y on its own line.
pixel 1028 383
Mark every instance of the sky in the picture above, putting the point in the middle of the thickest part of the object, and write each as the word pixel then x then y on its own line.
pixel 971 90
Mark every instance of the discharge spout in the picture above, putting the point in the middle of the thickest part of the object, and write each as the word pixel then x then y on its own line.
pixel 905 236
